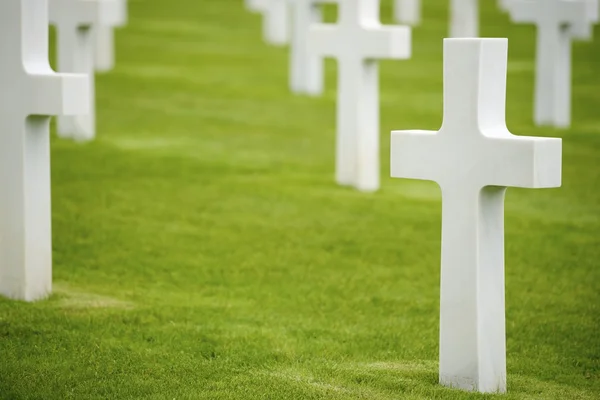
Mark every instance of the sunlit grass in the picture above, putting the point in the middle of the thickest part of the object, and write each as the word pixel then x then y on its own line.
pixel 202 250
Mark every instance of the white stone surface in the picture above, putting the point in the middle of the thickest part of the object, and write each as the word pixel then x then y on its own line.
pixel 584 31
pixel 74 21
pixel 503 4
pixel 306 69
pixel 276 20
pixel 31 93
pixel 357 41
pixel 105 41
pixel 474 158
pixel 407 11
pixel 464 18
pixel 252 5
pixel 558 23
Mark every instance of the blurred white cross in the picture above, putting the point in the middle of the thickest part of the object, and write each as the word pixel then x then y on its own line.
pixel 74 20
pixel 357 41
pixel 31 93
pixel 474 158
pixel 558 23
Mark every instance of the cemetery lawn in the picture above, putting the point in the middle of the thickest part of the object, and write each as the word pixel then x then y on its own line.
pixel 202 250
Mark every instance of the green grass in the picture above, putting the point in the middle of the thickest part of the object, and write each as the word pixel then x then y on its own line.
pixel 203 251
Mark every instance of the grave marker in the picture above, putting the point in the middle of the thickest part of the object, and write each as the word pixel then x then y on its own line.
pixel 31 93
pixel 357 41
pixel 558 22
pixel 74 20
pixel 105 41
pixel 407 11
pixel 474 158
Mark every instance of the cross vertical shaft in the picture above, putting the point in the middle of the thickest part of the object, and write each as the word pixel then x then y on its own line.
pixel 104 58
pixel 553 76
pixel 306 70
pixel 472 348
pixel 31 93
pixel 472 334
pixel 25 248
pixel 357 145
pixel 75 46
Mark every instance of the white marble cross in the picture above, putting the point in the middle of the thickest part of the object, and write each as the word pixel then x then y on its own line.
pixel 407 11
pixel 276 20
pixel 105 41
pixel 464 18
pixel 357 41
pixel 558 22
pixel 306 69
pixel 74 20
pixel 31 93
pixel 474 158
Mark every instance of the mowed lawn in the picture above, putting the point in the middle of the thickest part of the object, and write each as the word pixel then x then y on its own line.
pixel 203 251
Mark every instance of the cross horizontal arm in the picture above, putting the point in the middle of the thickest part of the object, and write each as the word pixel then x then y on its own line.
pixel 85 12
pixel 520 161
pixel 111 13
pixel 574 12
pixel 324 40
pixel 585 30
pixel 494 160
pixel 386 42
pixel 414 155
pixel 71 89
pixel 557 11
pixel 372 43
pixel 316 2
pixel 523 11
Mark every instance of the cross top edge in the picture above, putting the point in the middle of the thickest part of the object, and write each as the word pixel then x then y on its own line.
pixel 479 39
